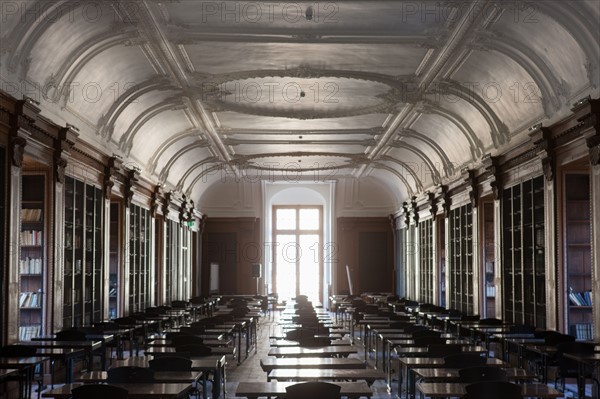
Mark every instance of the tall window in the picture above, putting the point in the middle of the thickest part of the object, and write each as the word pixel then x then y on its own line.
pixel 297 250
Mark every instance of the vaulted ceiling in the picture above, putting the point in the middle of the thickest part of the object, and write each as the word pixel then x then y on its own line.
pixel 405 92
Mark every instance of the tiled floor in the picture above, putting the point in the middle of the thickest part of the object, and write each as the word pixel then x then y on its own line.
pixel 250 369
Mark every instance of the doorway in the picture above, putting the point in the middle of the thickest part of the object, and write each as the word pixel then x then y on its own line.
pixel 297 250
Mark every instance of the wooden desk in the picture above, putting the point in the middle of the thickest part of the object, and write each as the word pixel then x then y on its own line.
pixel 66 356
pixel 583 359
pixel 369 375
pixel 327 351
pixel 159 376
pixel 411 363
pixel 209 364
pixel 311 362
pixel 217 351
pixel 88 346
pixel 165 343
pixel 136 391
pixel 284 343
pixel 26 367
pixel 457 389
pixel 7 373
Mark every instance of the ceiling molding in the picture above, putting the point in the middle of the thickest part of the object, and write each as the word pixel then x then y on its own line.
pixel 405 166
pixel 378 165
pixel 193 132
pixel 447 164
pixel 106 123
pixel 126 140
pixel 410 148
pixel 475 145
pixel 498 130
pixel 164 174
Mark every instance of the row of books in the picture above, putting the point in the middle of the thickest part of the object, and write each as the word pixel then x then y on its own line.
pixel 30 300
pixel 31 237
pixel 31 215
pixel 30 266
pixel 26 333
pixel 580 298
pixel 584 331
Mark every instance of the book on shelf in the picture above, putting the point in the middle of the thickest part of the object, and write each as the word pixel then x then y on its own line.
pixel 31 237
pixel 584 331
pixel 26 333
pixel 30 299
pixel 580 298
pixel 31 215
pixel 30 266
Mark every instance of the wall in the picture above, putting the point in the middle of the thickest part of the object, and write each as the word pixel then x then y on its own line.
pixel 366 245
pixel 234 244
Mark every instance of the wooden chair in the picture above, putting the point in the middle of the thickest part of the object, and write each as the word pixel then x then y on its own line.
pixel 130 374
pixel 569 368
pixel 461 360
pixel 314 342
pixel 314 389
pixel 99 391
pixel 493 390
pixel 195 349
pixel 182 339
pixel 170 363
pixel 475 374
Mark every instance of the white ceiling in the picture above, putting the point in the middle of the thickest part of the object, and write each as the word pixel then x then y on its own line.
pixel 405 92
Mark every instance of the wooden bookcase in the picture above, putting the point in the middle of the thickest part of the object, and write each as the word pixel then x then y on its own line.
pixel 460 258
pixel 578 257
pixel 489 256
pixel 523 261
pixel 32 260
pixel 426 260
pixel 114 268
pixel 172 247
pixel 441 258
pixel 139 259
pixel 83 247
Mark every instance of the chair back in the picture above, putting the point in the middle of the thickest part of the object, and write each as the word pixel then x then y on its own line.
pixel 313 389
pixel 17 351
pixel 71 335
pixel 555 339
pixel 195 349
pixel 474 374
pixel 493 390
pixel 99 391
pixel 314 342
pixel 443 350
pixel 490 322
pixel 569 367
pixel 183 339
pixel 461 360
pixel 170 363
pixel 429 340
pixel 299 333
pixel 130 374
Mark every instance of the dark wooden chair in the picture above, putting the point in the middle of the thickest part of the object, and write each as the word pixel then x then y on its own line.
pixel 493 390
pixel 195 349
pixel 461 360
pixel 314 342
pixel 475 374
pixel 99 391
pixel 569 368
pixel 443 350
pixel 313 389
pixel 71 335
pixel 130 374
pixel 170 363
pixel 181 339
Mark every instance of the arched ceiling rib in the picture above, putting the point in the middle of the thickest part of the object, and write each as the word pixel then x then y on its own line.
pixel 404 83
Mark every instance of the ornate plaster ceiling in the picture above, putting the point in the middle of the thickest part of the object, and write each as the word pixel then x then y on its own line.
pixel 405 92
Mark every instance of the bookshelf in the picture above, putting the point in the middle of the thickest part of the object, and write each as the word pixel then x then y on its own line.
pixel 460 258
pixel 441 258
pixel 114 261
pixel 31 262
pixel 139 259
pixel 426 258
pixel 489 253
pixel 523 261
pixel 578 257
pixel 171 260
pixel 82 254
